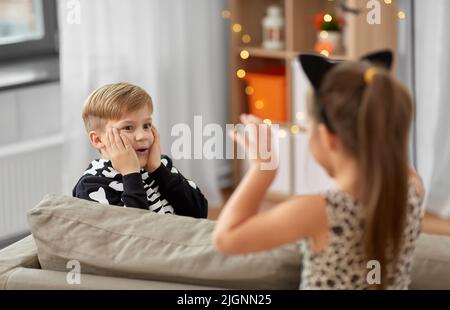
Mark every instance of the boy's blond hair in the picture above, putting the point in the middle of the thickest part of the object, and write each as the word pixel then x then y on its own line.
pixel 111 101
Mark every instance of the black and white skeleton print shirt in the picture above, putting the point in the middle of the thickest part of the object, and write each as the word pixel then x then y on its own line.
pixel 165 190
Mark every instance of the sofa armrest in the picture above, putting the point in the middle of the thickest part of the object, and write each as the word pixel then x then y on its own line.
pixel 23 253
pixel 431 265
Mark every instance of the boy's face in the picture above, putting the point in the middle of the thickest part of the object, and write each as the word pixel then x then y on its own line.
pixel 137 127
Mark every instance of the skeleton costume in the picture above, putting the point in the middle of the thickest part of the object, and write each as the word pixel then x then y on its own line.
pixel 165 190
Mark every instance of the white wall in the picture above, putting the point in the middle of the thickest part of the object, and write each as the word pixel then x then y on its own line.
pixel 29 113
pixel 30 152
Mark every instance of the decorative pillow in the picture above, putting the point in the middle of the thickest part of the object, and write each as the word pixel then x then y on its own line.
pixel 134 243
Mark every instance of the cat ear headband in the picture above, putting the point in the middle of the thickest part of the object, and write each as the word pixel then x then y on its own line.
pixel 316 66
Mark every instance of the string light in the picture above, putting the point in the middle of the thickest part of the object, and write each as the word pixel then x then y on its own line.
pixel 323 34
pixel 295 129
pixel 325 53
pixel 401 15
pixel 237 27
pixel 249 90
pixel 259 104
pixel 241 73
pixel 245 54
pixel 300 116
pixel 282 133
pixel 246 38
pixel 327 18
pixel 388 1
pixel 267 121
pixel 226 14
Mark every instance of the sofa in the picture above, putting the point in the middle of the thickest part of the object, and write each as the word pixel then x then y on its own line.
pixel 78 244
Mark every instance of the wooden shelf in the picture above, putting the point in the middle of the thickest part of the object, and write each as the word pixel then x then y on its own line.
pixel 339 56
pixel 280 54
pixel 300 37
pixel 265 53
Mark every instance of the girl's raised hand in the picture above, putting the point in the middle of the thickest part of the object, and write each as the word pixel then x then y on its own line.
pixel 257 139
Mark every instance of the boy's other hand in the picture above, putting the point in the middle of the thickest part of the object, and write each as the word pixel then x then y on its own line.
pixel 154 157
pixel 119 150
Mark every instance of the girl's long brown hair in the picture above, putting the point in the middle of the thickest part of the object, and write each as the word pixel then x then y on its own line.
pixel 372 119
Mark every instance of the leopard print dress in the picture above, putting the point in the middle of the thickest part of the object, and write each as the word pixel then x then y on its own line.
pixel 342 263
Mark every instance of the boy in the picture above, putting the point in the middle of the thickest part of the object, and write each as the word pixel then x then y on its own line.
pixel 132 172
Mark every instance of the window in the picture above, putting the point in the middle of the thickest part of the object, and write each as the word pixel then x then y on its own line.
pixel 27 28
pixel 21 21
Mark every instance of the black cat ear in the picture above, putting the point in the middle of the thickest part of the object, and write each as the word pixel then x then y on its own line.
pixel 316 67
pixel 381 58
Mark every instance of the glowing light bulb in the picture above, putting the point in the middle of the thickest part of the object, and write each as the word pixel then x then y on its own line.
pixel 267 121
pixel 295 129
pixel 401 15
pixel 226 14
pixel 388 1
pixel 325 53
pixel 300 116
pixel 246 38
pixel 327 18
pixel 249 90
pixel 245 54
pixel 237 28
pixel 241 73
pixel 282 133
pixel 259 104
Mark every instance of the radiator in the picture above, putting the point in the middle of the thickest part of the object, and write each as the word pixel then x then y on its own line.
pixel 28 171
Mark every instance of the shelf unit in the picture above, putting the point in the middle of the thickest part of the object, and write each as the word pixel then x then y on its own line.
pixel 300 36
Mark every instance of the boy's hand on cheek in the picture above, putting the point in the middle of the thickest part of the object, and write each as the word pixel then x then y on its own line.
pixel 119 150
pixel 154 157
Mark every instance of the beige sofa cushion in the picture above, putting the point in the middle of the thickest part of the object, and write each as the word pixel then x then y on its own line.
pixel 133 243
pixel 431 265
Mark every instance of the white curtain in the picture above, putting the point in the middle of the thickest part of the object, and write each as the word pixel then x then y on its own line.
pixel 432 62
pixel 175 49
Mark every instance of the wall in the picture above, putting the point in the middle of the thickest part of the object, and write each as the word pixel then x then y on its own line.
pixel 30 152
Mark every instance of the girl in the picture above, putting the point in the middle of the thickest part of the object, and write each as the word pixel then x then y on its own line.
pixel 358 131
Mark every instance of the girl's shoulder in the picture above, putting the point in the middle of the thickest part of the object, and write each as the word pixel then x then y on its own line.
pixel 333 206
pixel 308 208
pixel 330 197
